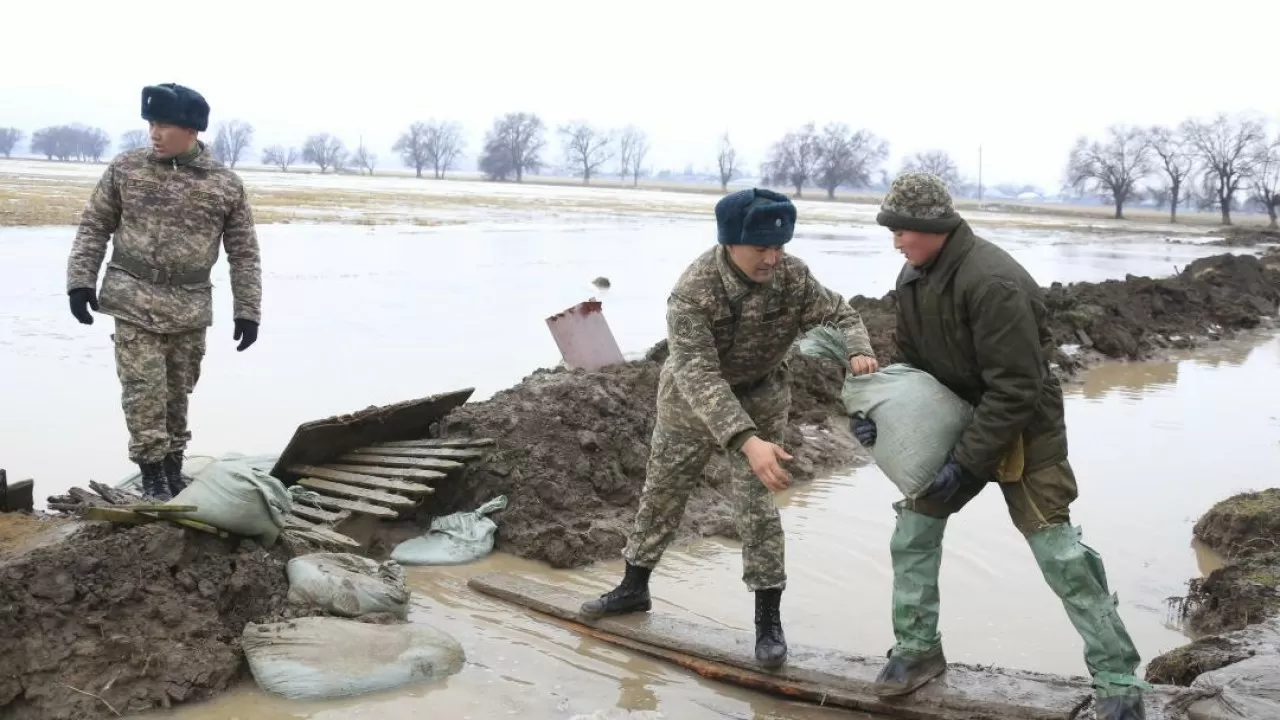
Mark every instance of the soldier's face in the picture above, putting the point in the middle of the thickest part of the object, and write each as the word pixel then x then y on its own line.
pixel 170 140
pixel 757 261
pixel 917 247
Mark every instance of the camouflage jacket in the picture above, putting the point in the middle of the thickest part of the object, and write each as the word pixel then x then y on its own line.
pixel 168 219
pixel 726 333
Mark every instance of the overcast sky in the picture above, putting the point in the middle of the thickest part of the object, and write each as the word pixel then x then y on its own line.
pixel 1021 79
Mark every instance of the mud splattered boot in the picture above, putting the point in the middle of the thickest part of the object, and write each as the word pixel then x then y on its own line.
pixel 1127 706
pixel 907 672
pixel 771 644
pixel 173 473
pixel 154 485
pixel 631 595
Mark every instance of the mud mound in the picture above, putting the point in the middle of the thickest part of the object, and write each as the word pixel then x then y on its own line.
pixel 1232 597
pixel 16 528
pixel 112 621
pixel 1133 318
pixel 1246 237
pixel 572 448
pixel 1242 525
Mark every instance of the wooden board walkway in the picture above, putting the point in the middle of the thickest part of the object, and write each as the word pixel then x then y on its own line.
pixel 382 461
pixel 816 674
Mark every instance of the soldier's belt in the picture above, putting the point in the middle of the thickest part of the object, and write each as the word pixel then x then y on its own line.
pixel 156 275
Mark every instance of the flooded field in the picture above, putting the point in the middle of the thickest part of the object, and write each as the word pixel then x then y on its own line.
pixel 1139 498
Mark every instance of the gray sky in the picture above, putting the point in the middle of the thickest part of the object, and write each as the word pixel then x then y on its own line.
pixel 1022 79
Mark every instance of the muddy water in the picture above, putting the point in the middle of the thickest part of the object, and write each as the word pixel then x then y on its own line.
pixel 356 317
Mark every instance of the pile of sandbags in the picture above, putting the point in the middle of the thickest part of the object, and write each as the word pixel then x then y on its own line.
pixel 357 652
pixel 1246 690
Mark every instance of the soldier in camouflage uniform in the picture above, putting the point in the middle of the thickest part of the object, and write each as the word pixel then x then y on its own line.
pixel 972 317
pixel 731 320
pixel 169 208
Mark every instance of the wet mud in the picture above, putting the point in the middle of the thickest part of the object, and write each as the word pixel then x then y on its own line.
pixel 572 445
pixel 1235 609
pixel 112 620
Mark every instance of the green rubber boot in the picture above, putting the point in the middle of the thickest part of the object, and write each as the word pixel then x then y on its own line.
pixel 1075 573
pixel 916 658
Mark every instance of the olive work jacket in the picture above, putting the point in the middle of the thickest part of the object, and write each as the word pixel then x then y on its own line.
pixel 975 319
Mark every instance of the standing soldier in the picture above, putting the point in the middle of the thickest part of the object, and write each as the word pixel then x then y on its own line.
pixel 731 320
pixel 168 207
pixel 972 317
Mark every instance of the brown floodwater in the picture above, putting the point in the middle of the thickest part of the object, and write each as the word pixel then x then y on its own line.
pixel 360 317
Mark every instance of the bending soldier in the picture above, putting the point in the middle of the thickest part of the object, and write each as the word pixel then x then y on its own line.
pixel 168 207
pixel 731 319
pixel 972 317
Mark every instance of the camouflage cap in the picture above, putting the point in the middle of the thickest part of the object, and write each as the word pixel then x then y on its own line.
pixel 918 201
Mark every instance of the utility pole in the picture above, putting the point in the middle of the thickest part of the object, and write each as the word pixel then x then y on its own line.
pixel 979 176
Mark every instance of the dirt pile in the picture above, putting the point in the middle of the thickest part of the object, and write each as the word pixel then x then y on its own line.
pixel 114 620
pixel 1135 318
pixel 572 448
pixel 1237 607
pixel 1247 237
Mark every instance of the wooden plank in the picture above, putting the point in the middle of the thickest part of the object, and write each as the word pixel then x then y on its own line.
pixel 357 493
pixel 812 673
pixel 418 474
pixel 314 514
pixel 421 452
pixel 320 441
pixel 325 535
pixel 354 506
pixel 462 442
pixel 158 508
pixel 392 461
pixel 116 515
pixel 366 481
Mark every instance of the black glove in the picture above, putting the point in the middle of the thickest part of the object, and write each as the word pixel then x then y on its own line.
pixel 246 333
pixel 949 480
pixel 81 300
pixel 863 429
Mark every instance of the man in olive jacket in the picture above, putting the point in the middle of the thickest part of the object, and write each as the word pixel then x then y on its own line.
pixel 972 317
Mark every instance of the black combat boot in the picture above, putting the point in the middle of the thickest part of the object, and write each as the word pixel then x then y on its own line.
pixel 771 644
pixel 631 595
pixel 173 473
pixel 905 673
pixel 1121 707
pixel 154 486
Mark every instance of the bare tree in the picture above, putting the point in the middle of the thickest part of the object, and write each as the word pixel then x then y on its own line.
pixel 1111 168
pixel 444 145
pixel 9 139
pixel 325 151
pixel 638 154
pixel 513 146
pixel 586 148
pixel 1224 147
pixel 848 158
pixel 935 162
pixel 628 140
pixel 134 140
pixel 71 142
pixel 1172 157
pixel 364 160
pixel 412 146
pixel 281 157
pixel 232 140
pixel 794 159
pixel 1264 176
pixel 730 166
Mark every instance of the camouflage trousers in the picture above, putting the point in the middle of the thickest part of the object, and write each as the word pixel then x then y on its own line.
pixel 157 372
pixel 679 452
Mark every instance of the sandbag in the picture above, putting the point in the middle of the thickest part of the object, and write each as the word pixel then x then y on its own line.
pixel 348 585
pixel 453 539
pixel 316 658
pixel 233 493
pixel 918 420
pixel 1247 690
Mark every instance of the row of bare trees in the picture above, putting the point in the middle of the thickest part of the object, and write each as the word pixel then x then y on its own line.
pixel 516 143
pixel 1224 163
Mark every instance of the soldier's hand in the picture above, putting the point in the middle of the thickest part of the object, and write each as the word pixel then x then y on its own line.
pixel 81 300
pixel 764 456
pixel 863 364
pixel 246 333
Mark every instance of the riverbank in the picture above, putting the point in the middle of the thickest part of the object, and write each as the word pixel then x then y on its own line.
pixel 572 445
pixel 1233 612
